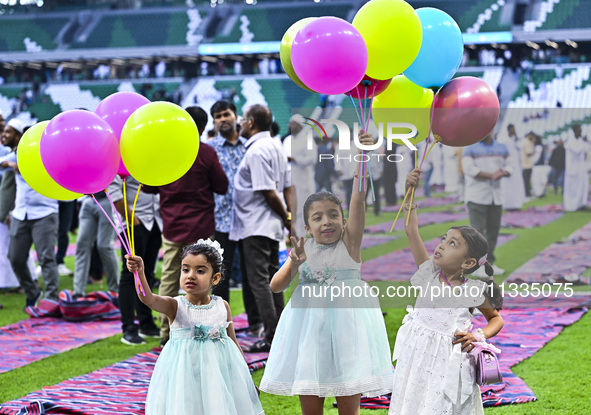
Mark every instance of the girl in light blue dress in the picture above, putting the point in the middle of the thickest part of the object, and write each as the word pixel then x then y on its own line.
pixel 201 370
pixel 328 344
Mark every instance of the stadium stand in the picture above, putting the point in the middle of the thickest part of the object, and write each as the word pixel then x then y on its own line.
pixel 20 33
pixel 152 28
pixel 260 24
pixel 556 14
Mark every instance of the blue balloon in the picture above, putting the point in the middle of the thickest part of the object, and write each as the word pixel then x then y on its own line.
pixel 441 51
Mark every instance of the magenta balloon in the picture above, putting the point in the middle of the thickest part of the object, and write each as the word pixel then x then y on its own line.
pixel 374 88
pixel 80 151
pixel 115 110
pixel 329 56
pixel 466 111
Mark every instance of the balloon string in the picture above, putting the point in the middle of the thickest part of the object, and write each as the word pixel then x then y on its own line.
pixel 361 169
pixel 360 124
pixel 128 246
pixel 111 222
pixel 429 135
pixel 132 219
pixel 412 195
pixel 138 286
pixel 365 164
pixel 356 111
pixel 400 210
pixel 373 192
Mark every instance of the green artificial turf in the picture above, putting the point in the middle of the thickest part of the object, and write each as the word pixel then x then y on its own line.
pixel 558 374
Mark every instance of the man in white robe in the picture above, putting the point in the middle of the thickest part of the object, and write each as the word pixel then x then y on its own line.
pixel 513 186
pixel 576 180
pixel 303 162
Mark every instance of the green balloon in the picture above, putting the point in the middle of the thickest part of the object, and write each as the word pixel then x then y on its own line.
pixel 30 165
pixel 285 50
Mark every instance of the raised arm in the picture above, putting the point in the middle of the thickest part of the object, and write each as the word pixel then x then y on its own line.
pixel 419 252
pixel 165 305
pixel 353 235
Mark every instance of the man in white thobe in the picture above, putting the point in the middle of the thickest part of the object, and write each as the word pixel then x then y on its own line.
pixel 576 180
pixel 513 186
pixel 303 162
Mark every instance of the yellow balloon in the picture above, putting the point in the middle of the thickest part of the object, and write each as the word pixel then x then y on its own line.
pixel 393 34
pixel 285 50
pixel 159 143
pixel 405 102
pixel 30 165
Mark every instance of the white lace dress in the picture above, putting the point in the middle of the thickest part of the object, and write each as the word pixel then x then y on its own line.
pixel 433 376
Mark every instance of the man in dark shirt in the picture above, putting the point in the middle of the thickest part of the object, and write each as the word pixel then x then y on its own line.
pixel 557 162
pixel 186 207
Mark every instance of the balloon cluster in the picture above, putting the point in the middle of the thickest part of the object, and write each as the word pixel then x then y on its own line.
pixel 397 55
pixel 80 152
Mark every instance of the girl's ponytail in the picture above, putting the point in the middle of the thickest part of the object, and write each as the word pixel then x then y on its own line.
pixel 478 249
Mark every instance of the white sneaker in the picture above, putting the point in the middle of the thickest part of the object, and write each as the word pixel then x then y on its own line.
pixel 63 270
pixel 38 270
pixel 480 273
pixel 497 270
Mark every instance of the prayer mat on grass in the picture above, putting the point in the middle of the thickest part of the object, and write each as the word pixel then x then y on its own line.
pixel 37 338
pixel 561 262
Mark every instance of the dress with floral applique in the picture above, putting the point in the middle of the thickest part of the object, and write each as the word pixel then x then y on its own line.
pixel 327 345
pixel 201 371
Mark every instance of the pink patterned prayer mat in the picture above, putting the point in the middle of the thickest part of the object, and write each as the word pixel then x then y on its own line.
pixel 37 338
pixel 561 262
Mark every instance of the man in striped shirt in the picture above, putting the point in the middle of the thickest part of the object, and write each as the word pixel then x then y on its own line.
pixel 484 164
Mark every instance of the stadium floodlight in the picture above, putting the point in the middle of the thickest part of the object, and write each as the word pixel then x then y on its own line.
pixel 533 45
pixel 571 43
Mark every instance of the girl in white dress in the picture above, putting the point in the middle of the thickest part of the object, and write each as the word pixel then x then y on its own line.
pixel 329 343
pixel 434 373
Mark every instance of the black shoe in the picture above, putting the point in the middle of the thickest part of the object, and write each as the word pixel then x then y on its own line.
pixel 34 301
pixel 259 347
pixel 256 330
pixel 152 332
pixel 132 338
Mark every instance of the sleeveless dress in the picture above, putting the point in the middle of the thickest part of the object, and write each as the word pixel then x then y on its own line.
pixel 200 370
pixel 329 348
pixel 432 375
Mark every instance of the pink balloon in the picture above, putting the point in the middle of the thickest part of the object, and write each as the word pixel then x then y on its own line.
pixel 329 56
pixel 115 110
pixel 466 111
pixel 80 151
pixel 374 88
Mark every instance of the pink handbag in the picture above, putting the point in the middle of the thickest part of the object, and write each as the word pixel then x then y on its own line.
pixel 487 364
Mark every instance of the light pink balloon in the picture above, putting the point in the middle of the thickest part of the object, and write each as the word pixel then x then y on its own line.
pixel 466 111
pixel 115 110
pixel 80 151
pixel 329 55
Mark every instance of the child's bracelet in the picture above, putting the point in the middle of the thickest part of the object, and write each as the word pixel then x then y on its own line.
pixel 479 335
pixel 408 207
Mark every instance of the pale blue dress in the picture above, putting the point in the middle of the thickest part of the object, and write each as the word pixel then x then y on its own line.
pixel 325 347
pixel 201 371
